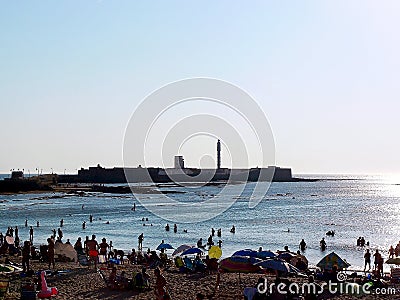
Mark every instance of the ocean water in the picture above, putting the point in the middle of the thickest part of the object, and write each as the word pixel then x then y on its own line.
pixel 353 206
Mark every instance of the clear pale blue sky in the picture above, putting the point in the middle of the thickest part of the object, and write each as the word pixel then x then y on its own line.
pixel 326 73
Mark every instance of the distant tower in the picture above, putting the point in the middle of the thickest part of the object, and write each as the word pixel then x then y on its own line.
pixel 179 162
pixel 218 154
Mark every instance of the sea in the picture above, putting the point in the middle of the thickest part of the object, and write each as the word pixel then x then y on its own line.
pixel 352 206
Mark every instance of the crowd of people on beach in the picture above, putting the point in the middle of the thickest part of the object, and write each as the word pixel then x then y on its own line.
pixel 92 252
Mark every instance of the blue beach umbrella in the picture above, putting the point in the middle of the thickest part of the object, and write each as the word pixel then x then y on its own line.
pixel 245 252
pixel 266 254
pixel 275 264
pixel 193 250
pixel 164 246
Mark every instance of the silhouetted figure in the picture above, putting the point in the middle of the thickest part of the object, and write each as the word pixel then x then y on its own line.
pixel 367 260
pixel 167 227
pixel 91 218
pixel 31 235
pixel 61 222
pixel 322 244
pixel 303 245
pixel 219 233
pixel 212 231
pixel 26 222
pixel 140 242
pixel 175 228
pixel 233 229
pixel 84 225
pixel 37 224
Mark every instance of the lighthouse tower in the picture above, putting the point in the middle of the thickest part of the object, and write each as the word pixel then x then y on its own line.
pixel 218 155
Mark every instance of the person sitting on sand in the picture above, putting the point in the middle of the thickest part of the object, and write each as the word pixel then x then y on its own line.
pixel 132 257
pixel 160 289
pixel 301 265
pixel 141 280
pixel 112 279
pixel 78 246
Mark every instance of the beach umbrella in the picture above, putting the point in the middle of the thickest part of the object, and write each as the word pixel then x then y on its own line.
pixel 181 248
pixel 215 252
pixel 332 259
pixel 164 246
pixel 275 264
pixel 238 264
pixel 265 254
pixel 288 256
pixel 245 252
pixel 193 250
pixel 394 261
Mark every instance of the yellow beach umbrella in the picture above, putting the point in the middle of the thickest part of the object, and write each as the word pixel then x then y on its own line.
pixel 215 252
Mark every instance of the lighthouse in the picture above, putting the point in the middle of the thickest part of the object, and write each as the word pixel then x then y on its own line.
pixel 218 155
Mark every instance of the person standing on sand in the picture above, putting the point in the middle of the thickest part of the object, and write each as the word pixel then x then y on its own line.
pixel 377 257
pixel 367 259
pixel 92 248
pixel 31 235
pixel 26 254
pixel 391 252
pixel 50 252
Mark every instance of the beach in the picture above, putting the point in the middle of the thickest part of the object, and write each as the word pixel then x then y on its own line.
pixel 80 282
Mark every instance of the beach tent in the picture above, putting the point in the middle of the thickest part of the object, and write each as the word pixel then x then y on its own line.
pixel 332 259
pixel 181 248
pixel 215 252
pixel 66 250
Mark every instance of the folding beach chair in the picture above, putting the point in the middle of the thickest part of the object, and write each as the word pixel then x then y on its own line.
pixel 3 287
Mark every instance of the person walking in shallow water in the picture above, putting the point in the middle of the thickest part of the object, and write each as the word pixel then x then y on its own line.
pixel 140 242
pixel 367 260
pixel 31 235
pixel 303 245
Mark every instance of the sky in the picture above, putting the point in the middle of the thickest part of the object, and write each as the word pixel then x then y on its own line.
pixel 326 74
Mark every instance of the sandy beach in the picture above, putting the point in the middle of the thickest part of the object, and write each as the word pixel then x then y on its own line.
pixel 74 281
